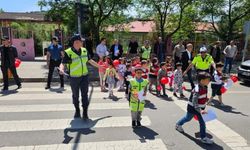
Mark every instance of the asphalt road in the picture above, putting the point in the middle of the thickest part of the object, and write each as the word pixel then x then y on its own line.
pixel 33 116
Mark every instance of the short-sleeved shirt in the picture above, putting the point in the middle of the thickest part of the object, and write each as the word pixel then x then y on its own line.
pixel 202 63
pixel 55 51
pixel 67 59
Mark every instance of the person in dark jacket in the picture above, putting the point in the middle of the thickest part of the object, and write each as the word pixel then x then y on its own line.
pixel 187 58
pixel 116 50
pixel 8 56
pixel 160 50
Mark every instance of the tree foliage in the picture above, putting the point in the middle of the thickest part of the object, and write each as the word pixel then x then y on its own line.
pixel 168 13
pixel 100 11
pixel 225 16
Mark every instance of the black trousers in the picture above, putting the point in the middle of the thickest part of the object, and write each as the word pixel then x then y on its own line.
pixel 189 74
pixel 52 66
pixel 80 84
pixel 5 75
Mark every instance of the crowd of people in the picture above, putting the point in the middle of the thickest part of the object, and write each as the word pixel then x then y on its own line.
pixel 143 68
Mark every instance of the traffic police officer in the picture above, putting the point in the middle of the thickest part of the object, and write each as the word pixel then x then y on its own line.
pixel 202 62
pixel 146 50
pixel 76 59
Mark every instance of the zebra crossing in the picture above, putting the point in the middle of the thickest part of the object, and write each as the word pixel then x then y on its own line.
pixel 47 109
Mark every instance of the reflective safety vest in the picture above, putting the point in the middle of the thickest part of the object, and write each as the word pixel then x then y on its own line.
pixel 135 87
pixel 202 96
pixel 202 64
pixel 146 52
pixel 78 66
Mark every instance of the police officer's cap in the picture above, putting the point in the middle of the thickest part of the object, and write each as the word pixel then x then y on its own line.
pixel 76 37
pixel 55 38
pixel 203 49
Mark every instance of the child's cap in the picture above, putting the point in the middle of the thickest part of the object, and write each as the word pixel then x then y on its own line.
pixel 162 64
pixel 219 65
pixel 138 67
pixel 178 64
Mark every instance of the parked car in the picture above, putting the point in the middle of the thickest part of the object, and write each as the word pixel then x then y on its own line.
pixel 244 71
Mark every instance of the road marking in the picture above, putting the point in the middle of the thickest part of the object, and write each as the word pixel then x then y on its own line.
pixel 61 107
pixel 156 144
pixel 223 132
pixel 54 96
pixel 61 124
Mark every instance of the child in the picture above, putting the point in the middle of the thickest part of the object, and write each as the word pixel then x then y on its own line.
pixel 127 77
pixel 196 106
pixel 153 73
pixel 144 65
pixel 178 80
pixel 102 62
pixel 137 85
pixel 161 73
pixel 121 70
pixel 217 83
pixel 170 71
pixel 109 76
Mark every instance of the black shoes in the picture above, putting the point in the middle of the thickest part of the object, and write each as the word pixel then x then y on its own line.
pixel 19 86
pixel 133 124
pixel 136 124
pixel 85 114
pixel 47 87
pixel 5 89
pixel 77 113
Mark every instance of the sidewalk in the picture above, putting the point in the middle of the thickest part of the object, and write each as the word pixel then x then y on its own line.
pixel 37 71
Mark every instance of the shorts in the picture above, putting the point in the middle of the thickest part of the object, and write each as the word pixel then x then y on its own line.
pixel 216 90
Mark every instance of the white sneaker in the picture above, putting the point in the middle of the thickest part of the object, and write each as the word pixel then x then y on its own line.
pixel 207 140
pixel 179 128
pixel 222 105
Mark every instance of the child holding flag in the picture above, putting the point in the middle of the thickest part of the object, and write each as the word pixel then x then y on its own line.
pixel 138 90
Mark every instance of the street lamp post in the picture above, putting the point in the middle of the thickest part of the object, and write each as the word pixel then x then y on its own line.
pixel 79 18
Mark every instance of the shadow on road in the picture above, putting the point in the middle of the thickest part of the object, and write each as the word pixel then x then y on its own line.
pixel 145 133
pixel 202 145
pixel 149 105
pixel 226 108
pixel 8 92
pixel 80 127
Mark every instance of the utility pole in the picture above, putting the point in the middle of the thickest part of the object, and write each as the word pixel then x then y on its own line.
pixel 78 2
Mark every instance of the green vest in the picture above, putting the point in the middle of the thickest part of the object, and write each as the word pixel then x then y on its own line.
pixel 202 64
pixel 146 52
pixel 135 87
pixel 78 67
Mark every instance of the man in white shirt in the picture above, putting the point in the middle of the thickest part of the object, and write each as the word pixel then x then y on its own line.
pixel 230 53
pixel 101 49
pixel 178 49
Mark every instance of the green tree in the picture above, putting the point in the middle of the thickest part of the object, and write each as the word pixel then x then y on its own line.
pixel 100 11
pixel 166 10
pixel 225 16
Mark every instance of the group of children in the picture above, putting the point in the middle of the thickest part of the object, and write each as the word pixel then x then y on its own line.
pixel 138 76
pixel 112 74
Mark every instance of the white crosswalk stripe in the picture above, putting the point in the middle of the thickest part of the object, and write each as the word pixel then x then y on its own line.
pixel 60 107
pixel 156 144
pixel 101 122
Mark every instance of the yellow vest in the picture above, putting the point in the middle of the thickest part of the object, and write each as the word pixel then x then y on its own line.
pixel 146 52
pixel 78 67
pixel 202 64
pixel 135 87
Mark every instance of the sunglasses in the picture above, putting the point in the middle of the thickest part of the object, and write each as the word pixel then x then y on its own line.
pixel 138 72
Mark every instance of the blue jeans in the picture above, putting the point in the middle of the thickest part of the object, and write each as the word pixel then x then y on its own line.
pixel 190 114
pixel 228 61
